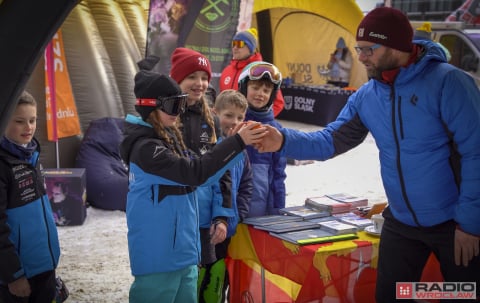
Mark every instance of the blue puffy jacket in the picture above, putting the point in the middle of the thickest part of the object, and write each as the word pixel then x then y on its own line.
pixel 427 129
pixel 268 170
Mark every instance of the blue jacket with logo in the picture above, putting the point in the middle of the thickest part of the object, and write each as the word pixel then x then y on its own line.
pixel 28 236
pixel 427 128
pixel 162 203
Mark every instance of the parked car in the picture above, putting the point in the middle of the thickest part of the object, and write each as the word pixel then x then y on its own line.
pixel 463 43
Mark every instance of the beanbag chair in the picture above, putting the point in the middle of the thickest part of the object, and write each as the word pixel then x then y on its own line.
pixel 107 175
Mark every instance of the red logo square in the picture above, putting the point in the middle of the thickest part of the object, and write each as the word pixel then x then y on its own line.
pixel 404 290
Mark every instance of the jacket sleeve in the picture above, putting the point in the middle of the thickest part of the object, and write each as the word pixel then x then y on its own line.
pixel 338 137
pixel 460 111
pixel 245 189
pixel 158 160
pixel 10 265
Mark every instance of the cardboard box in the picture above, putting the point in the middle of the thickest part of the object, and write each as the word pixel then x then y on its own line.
pixel 66 189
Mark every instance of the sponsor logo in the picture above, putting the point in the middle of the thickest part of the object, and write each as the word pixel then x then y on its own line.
pixel 217 16
pixel 288 102
pixel 227 80
pixel 378 36
pixel 299 103
pixel 361 31
pixel 436 290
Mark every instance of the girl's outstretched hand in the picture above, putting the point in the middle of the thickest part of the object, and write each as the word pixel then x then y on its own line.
pixel 251 132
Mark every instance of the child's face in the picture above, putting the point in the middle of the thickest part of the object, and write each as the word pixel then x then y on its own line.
pixel 230 117
pixel 195 85
pixel 22 124
pixel 258 93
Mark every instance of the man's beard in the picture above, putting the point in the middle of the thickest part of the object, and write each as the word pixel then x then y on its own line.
pixel 385 63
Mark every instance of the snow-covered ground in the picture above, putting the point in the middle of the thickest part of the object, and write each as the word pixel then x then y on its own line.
pixel 94 262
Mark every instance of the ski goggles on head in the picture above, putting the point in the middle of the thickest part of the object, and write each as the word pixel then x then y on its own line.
pixel 259 71
pixel 238 43
pixel 172 106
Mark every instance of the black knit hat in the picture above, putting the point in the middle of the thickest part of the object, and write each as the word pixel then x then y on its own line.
pixel 386 26
pixel 148 63
pixel 152 85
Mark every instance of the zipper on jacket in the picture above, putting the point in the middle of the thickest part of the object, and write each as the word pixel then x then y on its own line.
pixel 397 144
pixel 400 119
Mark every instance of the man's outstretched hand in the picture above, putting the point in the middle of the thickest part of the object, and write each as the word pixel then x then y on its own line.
pixel 271 141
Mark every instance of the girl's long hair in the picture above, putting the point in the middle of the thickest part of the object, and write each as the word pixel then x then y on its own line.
pixel 160 129
pixel 208 116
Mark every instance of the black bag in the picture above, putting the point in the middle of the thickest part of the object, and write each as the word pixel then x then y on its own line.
pixel 62 291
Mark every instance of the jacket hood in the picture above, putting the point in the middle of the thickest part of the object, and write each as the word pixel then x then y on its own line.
pixel 135 128
pixel 431 51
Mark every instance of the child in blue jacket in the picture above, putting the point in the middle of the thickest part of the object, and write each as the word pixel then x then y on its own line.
pixel 29 247
pixel 259 83
pixel 230 108
pixel 162 202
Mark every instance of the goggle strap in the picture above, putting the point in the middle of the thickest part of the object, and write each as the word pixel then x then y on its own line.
pixel 146 102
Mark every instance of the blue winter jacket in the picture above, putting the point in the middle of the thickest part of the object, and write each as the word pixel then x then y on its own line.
pixel 28 236
pixel 427 129
pixel 162 203
pixel 268 171
pixel 242 187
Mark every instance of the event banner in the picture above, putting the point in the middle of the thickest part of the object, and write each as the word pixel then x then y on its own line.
pixel 468 13
pixel 206 26
pixel 58 92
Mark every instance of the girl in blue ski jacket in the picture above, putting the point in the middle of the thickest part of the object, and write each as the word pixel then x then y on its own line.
pixel 162 208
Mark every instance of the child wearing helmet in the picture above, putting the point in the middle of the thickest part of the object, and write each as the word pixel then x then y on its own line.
pixel 259 83
pixel 245 51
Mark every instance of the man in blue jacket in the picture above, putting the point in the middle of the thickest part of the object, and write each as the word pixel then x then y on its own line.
pixel 425 117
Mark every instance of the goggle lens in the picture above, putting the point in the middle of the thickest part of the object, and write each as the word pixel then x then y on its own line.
pixel 258 72
pixel 238 43
pixel 173 106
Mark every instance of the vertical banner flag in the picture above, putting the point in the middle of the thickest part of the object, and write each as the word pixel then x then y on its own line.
pixel 468 13
pixel 62 117
pixel 206 26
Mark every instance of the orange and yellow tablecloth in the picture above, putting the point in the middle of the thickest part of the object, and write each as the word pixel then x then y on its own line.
pixel 263 268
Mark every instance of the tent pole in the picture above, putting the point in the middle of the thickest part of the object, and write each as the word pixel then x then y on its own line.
pixel 57 154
